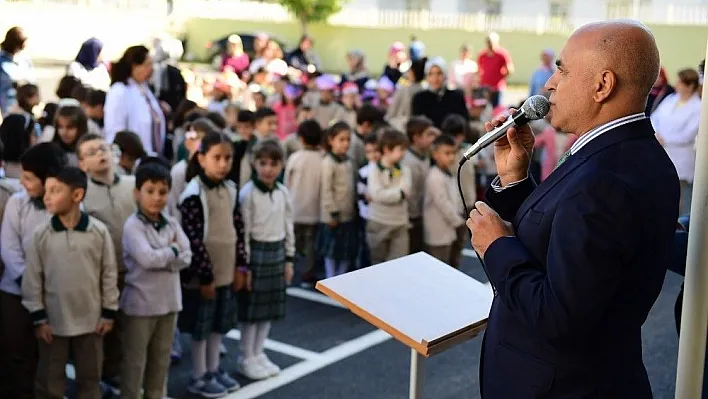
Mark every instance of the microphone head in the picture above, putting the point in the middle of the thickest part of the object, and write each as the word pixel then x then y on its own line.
pixel 536 107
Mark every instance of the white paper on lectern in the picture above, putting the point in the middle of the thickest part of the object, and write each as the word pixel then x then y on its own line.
pixel 417 295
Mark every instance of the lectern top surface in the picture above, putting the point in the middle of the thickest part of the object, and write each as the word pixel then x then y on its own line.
pixel 417 295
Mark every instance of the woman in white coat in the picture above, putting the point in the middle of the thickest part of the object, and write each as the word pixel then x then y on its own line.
pixel 131 105
pixel 676 124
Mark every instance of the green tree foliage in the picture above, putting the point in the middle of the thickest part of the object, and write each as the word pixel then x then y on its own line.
pixel 309 11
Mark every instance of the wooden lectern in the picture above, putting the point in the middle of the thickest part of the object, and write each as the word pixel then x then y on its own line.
pixel 422 302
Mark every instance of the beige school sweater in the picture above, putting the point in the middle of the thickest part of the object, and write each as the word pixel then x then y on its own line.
pixel 70 279
pixel 303 174
pixel 328 114
pixel 220 239
pixel 419 166
pixel 442 210
pixel 337 189
pixel 112 205
pixel 388 189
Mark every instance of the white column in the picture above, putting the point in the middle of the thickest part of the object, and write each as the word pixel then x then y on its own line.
pixel 694 317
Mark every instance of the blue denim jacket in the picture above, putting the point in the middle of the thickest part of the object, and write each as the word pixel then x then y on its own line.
pixel 7 90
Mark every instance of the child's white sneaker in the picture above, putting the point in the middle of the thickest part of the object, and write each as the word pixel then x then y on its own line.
pixel 252 369
pixel 271 367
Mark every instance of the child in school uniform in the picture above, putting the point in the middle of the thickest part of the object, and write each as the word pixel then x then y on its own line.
pixel 456 126
pixel 373 155
pixel 7 188
pixel 131 150
pixel 208 202
pixel 23 212
pixel 421 133
pixel 266 126
pixel 328 110
pixel 292 143
pixel 69 288
pixel 241 170
pixel 367 118
pixel 442 210
pixel 195 132
pixel 337 235
pixel 109 198
pixel 155 250
pixel 270 244
pixel 302 178
pixel 70 123
pixel 389 186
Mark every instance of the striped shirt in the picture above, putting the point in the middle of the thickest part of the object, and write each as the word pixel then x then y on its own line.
pixel 594 133
pixel 581 142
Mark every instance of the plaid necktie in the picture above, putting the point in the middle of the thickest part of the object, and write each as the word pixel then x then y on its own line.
pixel 562 159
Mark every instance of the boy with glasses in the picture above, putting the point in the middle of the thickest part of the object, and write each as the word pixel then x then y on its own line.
pixel 109 198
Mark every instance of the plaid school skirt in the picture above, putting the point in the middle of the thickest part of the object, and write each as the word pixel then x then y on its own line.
pixel 339 243
pixel 201 317
pixel 266 300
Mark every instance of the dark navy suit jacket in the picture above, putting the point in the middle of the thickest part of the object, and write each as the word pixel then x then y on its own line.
pixel 576 282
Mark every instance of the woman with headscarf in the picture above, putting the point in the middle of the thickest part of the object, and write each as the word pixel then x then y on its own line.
pixel 659 92
pixel 357 70
pixel 437 101
pixel 88 66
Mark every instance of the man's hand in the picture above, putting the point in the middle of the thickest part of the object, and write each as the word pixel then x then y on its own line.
pixel 486 227
pixel 512 153
pixel 104 327
pixel 43 332
pixel 289 272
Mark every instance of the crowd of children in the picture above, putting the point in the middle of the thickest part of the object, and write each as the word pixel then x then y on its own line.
pixel 110 255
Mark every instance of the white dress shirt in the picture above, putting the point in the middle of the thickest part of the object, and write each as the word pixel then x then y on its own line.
pixel 677 126
pixel 582 141
pixel 127 109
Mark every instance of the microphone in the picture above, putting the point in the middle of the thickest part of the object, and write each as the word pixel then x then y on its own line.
pixel 535 107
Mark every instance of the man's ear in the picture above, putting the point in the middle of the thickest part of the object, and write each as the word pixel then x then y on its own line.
pixel 604 86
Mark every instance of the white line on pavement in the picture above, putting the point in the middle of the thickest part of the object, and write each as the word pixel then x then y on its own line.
pixel 312 296
pixel 302 369
pixel 290 350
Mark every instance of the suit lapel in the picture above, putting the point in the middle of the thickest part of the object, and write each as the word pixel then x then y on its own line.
pixel 630 131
